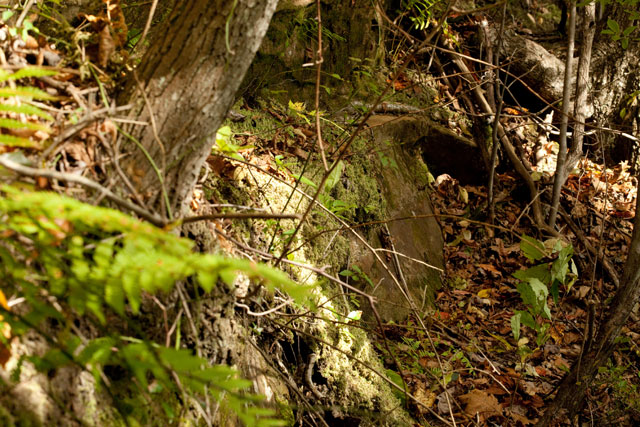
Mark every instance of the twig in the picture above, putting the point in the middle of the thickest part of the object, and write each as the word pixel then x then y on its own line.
pixel 163 166
pixel 561 172
pixel 33 172
pixel 83 123
pixel 509 148
pixel 605 261
pixel 393 252
pixel 23 15
pixel 319 60
pixel 173 327
pixel 239 215
pixel 147 25
pixel 262 313
pixel 119 170
pixel 498 108
pixel 309 373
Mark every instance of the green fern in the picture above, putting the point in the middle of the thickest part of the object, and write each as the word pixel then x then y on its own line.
pixel 14 99
pixel 91 259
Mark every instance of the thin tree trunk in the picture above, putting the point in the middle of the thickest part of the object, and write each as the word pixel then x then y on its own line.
pixel 582 105
pixel 189 77
pixel 566 103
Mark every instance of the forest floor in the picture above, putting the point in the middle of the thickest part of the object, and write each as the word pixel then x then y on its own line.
pixel 497 368
pixel 488 371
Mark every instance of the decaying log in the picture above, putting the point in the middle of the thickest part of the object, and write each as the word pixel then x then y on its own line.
pixel 535 65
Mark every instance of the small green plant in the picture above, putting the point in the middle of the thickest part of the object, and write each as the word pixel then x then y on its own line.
pixel 620 379
pixel 22 31
pixel 357 275
pixel 224 144
pixel 421 12
pixel 537 283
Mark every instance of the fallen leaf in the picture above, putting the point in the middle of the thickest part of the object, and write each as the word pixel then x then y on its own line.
pixel 5 330
pixel 106 46
pixel 426 398
pixel 479 403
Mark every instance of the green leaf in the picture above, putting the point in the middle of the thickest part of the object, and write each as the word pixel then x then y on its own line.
pixel 97 351
pixel 397 380
pixel 347 273
pixel 540 272
pixel 515 325
pixel 532 248
pixel 560 267
pixel 303 179
pixel 534 293
pixel 181 360
pixel 627 31
pixel 228 275
pixel 625 42
pixel 554 290
pixel 7 14
pixel 334 177
pixel 132 289
pixel 527 319
pixel 613 25
pixel 207 280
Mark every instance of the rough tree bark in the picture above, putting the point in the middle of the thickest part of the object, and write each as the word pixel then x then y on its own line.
pixel 189 76
pixel 616 78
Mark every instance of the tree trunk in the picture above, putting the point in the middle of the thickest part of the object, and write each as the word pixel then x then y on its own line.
pixel 189 76
pixel 615 80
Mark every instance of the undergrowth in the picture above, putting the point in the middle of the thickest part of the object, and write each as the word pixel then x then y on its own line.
pixel 68 259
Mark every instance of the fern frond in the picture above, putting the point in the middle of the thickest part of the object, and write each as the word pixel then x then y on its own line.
pixel 29 110
pixel 91 258
pixel 16 141
pixel 17 124
pixel 26 92
pixel 29 71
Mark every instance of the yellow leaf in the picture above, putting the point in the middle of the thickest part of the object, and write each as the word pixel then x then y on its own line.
pixel 485 293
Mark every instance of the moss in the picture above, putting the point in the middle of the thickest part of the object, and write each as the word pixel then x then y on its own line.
pixel 14 414
pixel 285 412
pixel 6 419
pixel 354 386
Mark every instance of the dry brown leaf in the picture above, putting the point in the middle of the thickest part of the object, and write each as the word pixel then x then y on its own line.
pixel 118 23
pixel 517 413
pixel 106 46
pixel 425 397
pixel 481 403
